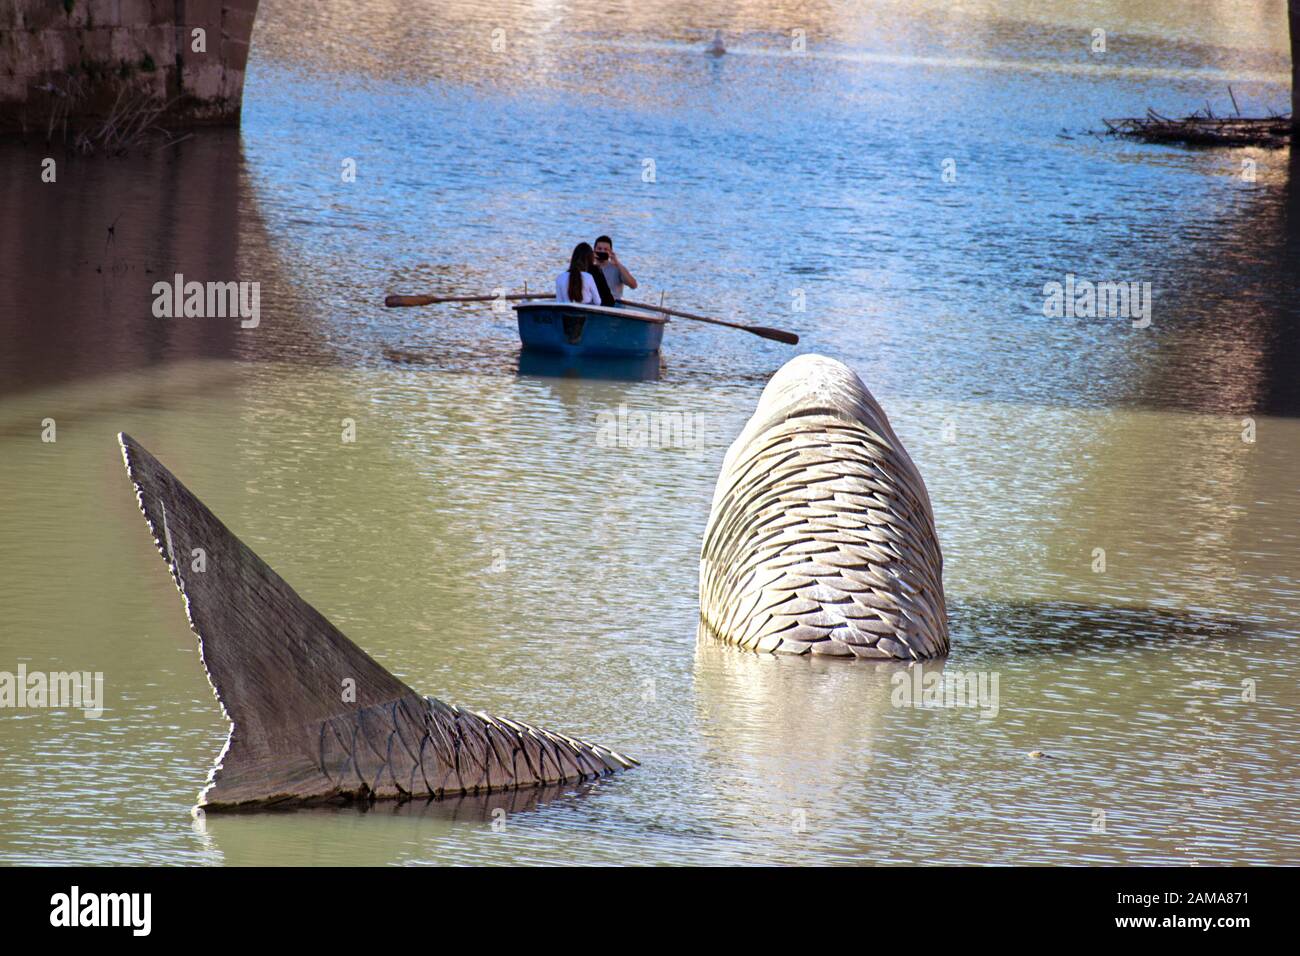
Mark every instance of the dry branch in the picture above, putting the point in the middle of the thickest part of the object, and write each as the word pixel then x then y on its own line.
pixel 1204 128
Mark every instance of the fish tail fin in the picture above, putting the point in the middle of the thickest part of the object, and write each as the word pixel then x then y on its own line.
pixel 312 716
pixel 277 666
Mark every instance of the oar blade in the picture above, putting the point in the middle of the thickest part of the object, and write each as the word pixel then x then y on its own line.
pixel 398 301
pixel 776 335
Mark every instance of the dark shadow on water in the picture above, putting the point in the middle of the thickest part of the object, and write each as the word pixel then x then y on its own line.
pixel 996 628
pixel 545 365
pixel 644 368
pixel 466 808
pixel 1283 391
pixel 1229 328
pixel 82 256
pixel 385 832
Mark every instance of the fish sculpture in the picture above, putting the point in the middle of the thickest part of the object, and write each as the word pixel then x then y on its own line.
pixel 821 539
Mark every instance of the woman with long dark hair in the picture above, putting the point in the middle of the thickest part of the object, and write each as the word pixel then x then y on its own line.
pixel 577 284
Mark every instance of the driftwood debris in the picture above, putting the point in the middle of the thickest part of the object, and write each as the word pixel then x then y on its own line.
pixel 1204 128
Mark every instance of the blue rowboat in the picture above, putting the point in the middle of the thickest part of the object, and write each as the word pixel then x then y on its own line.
pixel 570 329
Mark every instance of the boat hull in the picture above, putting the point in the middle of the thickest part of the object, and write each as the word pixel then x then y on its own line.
pixel 568 329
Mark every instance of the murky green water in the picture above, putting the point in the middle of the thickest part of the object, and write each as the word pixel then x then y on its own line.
pixel 480 540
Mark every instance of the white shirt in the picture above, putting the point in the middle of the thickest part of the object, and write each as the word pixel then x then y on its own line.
pixel 590 295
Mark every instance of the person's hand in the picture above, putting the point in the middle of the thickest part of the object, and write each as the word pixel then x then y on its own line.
pixel 613 257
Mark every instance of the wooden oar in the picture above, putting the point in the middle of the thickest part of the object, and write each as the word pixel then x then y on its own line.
pixel 394 301
pixel 777 335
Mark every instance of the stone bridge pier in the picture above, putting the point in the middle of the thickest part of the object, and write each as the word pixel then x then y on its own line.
pixel 73 64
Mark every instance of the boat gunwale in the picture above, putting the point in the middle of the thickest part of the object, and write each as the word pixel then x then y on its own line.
pixel 605 310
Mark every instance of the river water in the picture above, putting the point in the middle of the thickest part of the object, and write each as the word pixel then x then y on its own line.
pixel 1117 501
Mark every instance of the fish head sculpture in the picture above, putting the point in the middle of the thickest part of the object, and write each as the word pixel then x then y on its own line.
pixel 821 538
